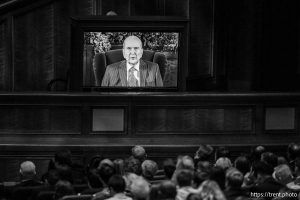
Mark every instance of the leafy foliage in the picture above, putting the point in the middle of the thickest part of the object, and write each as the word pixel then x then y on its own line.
pixel 157 41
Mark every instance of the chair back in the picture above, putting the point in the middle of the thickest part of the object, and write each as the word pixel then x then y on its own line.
pixel 101 60
pixel 78 197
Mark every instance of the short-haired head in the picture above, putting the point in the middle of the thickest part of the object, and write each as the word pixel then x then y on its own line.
pixel 139 153
pixel 234 178
pixel 132 49
pixel 140 188
pixel 185 178
pixel 168 190
pixel 117 183
pixel 149 168
pixel 27 169
pixel 242 163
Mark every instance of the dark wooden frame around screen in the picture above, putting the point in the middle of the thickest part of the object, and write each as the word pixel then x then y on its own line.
pixel 80 25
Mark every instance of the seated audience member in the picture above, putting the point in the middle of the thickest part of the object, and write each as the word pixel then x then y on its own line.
pixel 256 153
pixel 224 163
pixel 119 166
pixel 106 170
pixel 117 187
pixel 295 185
pixel 282 160
pixel 132 165
pixel 149 169
pixel 269 158
pixel 64 158
pixel 139 153
pixel 65 173
pixel 95 184
pixel 63 188
pixel 204 153
pixel 185 182
pixel 183 162
pixel 169 168
pixel 218 174
pixel 202 172
pixel 48 190
pixel 283 174
pixel 28 174
pixel 140 189
pixel 167 190
pixel 242 163
pixel 222 152
pixel 264 180
pixel 210 190
pixel 293 152
pixel 233 183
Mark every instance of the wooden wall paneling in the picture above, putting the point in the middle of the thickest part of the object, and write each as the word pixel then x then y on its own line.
pixel 147 8
pixel 40 119
pixel 4 59
pixel 201 70
pixel 81 8
pixel 176 8
pixel 33 33
pixel 62 37
pixel 194 119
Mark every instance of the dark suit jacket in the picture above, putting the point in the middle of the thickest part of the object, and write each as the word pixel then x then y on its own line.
pixel 116 75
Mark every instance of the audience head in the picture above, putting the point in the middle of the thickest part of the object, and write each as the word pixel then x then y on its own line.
pixel 139 153
pixel 204 153
pixel 224 163
pixel 283 174
pixel 282 160
pixel 116 184
pixel 132 165
pixel 262 169
pixel 256 153
pixel 63 188
pixel 169 167
pixel 185 178
pixel 140 189
pixel 242 163
pixel 94 162
pixel 63 157
pixel 269 158
pixel 27 170
pixel 149 169
pixel 167 190
pixel 293 151
pixel 106 169
pixel 210 189
pixel 222 152
pixel 234 178
pixel 185 162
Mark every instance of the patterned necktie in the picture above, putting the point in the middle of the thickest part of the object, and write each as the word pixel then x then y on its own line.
pixel 132 81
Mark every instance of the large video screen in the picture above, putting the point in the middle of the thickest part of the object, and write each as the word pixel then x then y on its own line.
pixel 130 59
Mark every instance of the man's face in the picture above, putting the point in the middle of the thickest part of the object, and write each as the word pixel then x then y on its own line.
pixel 132 50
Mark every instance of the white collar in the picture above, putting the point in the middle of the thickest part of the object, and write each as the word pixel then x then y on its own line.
pixel 137 66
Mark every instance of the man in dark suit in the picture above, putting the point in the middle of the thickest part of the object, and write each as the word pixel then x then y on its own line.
pixel 132 72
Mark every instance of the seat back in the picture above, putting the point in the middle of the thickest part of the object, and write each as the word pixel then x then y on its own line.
pixel 101 60
pixel 78 197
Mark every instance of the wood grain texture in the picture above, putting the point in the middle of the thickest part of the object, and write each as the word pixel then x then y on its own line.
pixel 34 49
pixel 4 68
pixel 194 120
pixel 39 119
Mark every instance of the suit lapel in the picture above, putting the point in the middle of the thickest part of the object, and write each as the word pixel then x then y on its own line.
pixel 143 73
pixel 122 73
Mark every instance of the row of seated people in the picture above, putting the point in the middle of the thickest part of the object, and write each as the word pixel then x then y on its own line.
pixel 209 175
